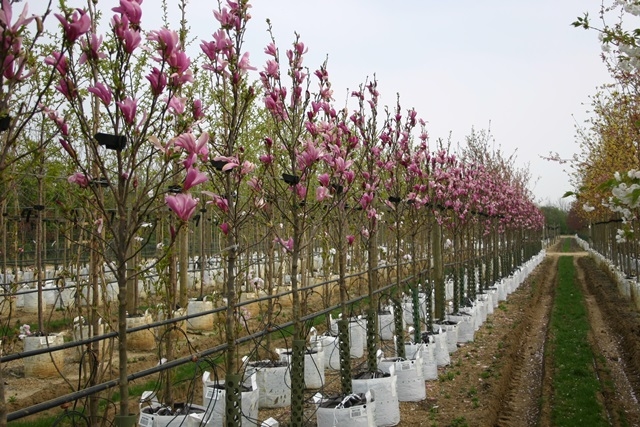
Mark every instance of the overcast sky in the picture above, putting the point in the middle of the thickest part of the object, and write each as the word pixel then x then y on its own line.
pixel 516 65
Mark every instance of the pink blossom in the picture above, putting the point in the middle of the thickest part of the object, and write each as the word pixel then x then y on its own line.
pixel 128 109
pixel 287 245
pixel 224 227
pixel 167 40
pixel 220 202
pixel 197 109
pixel 271 50
pixel 68 148
pixel 131 39
pixel 157 80
pixel 193 178
pixel 99 223
pixel 350 239
pixel 102 92
pixel 78 24
pixel 267 159
pixel 301 191
pixel 182 204
pixel 324 179
pixel 66 88
pixel 243 64
pixel 364 232
pixel 247 167
pixel 6 13
pixel 176 105
pixel 91 50
pixel 322 193
pixel 131 9
pixel 255 184
pixel 59 61
pixel 80 179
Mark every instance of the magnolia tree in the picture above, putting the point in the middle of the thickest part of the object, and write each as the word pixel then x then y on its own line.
pixel 128 132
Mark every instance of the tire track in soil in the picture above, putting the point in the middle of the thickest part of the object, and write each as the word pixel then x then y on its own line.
pixel 615 338
pixel 518 396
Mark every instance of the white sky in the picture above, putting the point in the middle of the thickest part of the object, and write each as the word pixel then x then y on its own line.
pixel 517 65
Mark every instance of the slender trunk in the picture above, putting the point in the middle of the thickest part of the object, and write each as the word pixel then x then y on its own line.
pixel 438 272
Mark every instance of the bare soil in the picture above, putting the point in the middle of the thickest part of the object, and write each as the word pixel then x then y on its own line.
pixel 502 378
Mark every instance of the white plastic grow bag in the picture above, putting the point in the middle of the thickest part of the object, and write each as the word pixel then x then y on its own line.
pixel 313 365
pixel 153 414
pixel 442 348
pixel 386 326
pixel 213 401
pixel 200 323
pixel 451 328
pixel 429 365
pixel 384 389
pixel 330 350
pixel 466 326
pixel 355 410
pixel 410 383
pixel 357 336
pixel 274 384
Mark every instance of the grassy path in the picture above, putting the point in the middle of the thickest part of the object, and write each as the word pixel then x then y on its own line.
pixel 575 384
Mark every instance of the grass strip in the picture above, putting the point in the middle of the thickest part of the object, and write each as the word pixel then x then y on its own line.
pixel 575 385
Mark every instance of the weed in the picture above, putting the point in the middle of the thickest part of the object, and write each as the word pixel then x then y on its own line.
pixel 459 422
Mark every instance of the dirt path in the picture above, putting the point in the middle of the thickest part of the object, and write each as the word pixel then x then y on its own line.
pixel 504 377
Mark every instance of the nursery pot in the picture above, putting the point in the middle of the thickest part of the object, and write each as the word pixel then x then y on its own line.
pixel 313 365
pixel 140 340
pixel 466 326
pixel 273 382
pixel 214 402
pixel 200 323
pixel 383 386
pixel 157 415
pixel 451 327
pixel 386 327
pixel 429 365
pixel 410 383
pixel 41 366
pixel 330 349
pixel 357 336
pixel 442 348
pixel 354 410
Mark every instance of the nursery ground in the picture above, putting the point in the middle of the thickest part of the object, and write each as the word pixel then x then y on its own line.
pixel 501 378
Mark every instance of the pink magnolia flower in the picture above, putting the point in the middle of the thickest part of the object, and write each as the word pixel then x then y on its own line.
pixel 80 179
pixel 287 245
pixel 266 159
pixel 243 64
pixel 68 148
pixel 220 202
pixel 66 88
pixel 197 109
pixel 102 92
pixel 157 80
pixel 176 105
pixel 182 204
pixel 6 13
pixel 131 39
pixel 131 9
pixel 324 179
pixel 350 239
pixel 189 143
pixel 193 178
pixel 91 50
pixel 59 61
pixel 224 227
pixel 128 109
pixel 271 50
pixel 167 40
pixel 78 24
pixel 99 223
pixel 247 167
pixel 322 193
